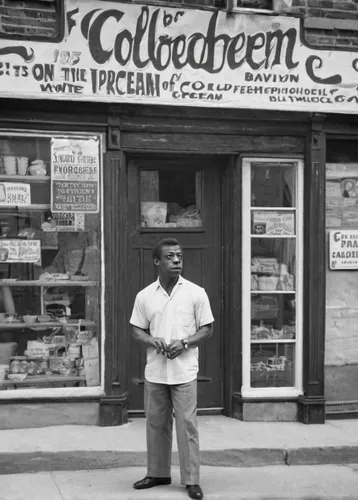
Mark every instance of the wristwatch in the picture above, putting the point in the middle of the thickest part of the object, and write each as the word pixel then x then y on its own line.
pixel 185 344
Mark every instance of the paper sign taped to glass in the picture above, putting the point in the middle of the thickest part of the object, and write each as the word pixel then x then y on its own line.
pixel 14 194
pixel 273 223
pixel 26 251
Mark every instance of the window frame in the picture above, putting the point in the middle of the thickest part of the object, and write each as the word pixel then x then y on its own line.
pixel 70 392
pixel 273 392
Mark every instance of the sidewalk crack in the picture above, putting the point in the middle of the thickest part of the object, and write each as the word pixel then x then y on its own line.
pixel 53 477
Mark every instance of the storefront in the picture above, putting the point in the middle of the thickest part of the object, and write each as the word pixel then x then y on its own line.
pixel 107 145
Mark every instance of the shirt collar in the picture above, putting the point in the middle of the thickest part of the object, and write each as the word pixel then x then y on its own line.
pixel 180 281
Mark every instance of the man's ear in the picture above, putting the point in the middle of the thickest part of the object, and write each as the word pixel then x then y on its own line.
pixel 156 262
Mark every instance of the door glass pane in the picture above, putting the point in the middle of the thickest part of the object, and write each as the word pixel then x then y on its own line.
pixel 273 316
pixel 272 365
pixel 273 264
pixel 273 184
pixel 171 198
pixel 50 265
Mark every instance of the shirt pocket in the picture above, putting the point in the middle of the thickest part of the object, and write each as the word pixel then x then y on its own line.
pixel 184 316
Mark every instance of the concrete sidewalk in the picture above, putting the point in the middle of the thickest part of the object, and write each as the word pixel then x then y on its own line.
pixel 322 482
pixel 223 441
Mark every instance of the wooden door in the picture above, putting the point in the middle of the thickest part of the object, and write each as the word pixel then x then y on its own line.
pixel 202 259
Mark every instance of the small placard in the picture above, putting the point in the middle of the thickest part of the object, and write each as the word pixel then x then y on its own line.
pixel 343 250
pixel 64 222
pixel 20 251
pixel 13 193
pixel 273 223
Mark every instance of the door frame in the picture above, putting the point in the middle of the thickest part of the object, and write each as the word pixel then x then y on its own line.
pixel 221 162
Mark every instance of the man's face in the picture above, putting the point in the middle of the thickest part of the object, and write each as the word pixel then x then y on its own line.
pixel 170 263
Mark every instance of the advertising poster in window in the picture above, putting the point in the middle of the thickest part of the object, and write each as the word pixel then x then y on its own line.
pixel 75 175
pixel 274 223
pixel 67 222
pixel 342 195
pixel 343 250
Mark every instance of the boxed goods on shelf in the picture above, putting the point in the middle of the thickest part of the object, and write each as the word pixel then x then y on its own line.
pixel 264 307
pixel 267 283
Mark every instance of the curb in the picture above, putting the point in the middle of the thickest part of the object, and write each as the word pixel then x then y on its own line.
pixel 18 463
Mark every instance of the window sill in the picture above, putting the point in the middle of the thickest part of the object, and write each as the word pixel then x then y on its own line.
pixel 173 230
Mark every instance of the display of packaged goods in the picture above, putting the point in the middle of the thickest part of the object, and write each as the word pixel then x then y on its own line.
pixel 265 265
pixel 268 332
pixel 23 365
pixel 153 213
pixel 273 371
pixel 254 282
pixel 264 307
pixel 286 282
pixel 84 337
pixel 268 282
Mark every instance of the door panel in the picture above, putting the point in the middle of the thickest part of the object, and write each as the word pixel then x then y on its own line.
pixel 202 265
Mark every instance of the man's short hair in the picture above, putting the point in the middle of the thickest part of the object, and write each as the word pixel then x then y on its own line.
pixel 167 242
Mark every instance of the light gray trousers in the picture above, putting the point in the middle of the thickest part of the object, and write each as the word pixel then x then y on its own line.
pixel 159 401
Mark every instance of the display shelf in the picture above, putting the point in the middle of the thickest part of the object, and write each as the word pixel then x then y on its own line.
pixel 31 380
pixel 27 178
pixel 39 326
pixel 275 208
pixel 279 292
pixel 276 341
pixel 28 208
pixel 49 283
pixel 274 236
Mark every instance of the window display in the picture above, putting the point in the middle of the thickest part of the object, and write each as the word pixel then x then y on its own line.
pixel 270 269
pixel 170 198
pixel 50 261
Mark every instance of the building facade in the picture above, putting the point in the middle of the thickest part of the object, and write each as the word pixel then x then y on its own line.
pixel 231 127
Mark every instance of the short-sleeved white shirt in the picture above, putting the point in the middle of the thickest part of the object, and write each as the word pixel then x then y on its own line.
pixel 177 316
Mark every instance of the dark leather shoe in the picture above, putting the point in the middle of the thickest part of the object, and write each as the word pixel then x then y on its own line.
pixel 149 482
pixel 194 491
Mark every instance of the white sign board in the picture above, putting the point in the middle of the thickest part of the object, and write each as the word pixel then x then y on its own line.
pixel 121 52
pixel 75 175
pixel 20 251
pixel 273 223
pixel 12 193
pixel 343 250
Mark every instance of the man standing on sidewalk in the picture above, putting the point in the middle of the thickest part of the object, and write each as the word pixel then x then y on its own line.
pixel 170 318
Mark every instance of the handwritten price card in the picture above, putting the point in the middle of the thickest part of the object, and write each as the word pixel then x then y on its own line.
pixel 75 175
pixel 20 251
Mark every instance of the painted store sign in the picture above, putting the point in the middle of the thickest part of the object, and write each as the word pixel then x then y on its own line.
pixel 115 52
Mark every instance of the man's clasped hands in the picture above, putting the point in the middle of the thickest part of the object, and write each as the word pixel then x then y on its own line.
pixel 171 350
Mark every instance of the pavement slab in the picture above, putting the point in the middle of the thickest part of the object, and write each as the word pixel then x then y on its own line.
pixel 326 482
pixel 216 433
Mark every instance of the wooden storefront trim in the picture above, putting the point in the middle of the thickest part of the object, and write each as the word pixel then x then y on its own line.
pixel 211 144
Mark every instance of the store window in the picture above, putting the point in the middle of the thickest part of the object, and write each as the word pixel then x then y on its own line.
pixel 271 277
pixel 341 340
pixel 171 198
pixel 32 19
pixel 50 261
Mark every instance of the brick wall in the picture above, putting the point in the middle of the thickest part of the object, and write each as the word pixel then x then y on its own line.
pixel 30 19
